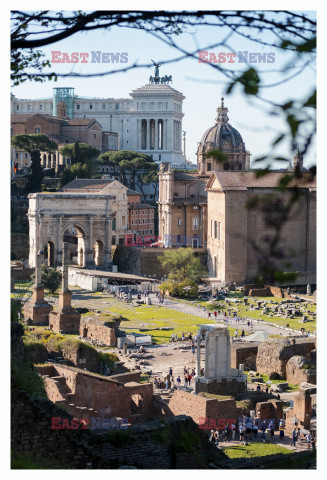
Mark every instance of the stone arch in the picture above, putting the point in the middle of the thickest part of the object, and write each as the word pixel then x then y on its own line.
pixel 53 217
pixel 136 404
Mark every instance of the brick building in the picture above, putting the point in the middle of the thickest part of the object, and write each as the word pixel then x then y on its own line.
pixel 59 129
pixel 209 210
pixel 140 219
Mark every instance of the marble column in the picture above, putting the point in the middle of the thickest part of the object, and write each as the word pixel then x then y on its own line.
pixel 38 258
pixel 65 267
pixel 198 354
pixel 148 144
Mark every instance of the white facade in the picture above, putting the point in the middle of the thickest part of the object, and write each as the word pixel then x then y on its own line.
pixel 150 121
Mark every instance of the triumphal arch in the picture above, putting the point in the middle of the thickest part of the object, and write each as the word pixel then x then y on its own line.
pixel 83 220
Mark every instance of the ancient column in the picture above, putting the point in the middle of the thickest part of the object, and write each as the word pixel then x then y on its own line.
pixel 65 267
pixel 198 354
pixel 38 258
pixel 64 294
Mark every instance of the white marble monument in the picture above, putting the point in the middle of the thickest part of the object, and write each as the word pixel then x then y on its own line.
pixel 219 378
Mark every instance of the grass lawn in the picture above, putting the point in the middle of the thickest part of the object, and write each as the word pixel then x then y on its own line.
pixel 244 311
pixel 149 319
pixel 253 450
pixel 291 387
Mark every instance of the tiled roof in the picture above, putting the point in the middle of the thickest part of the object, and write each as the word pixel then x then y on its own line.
pixel 132 192
pixel 86 184
pixel 139 206
pixel 80 121
pixel 244 180
pixel 24 117
pixel 180 176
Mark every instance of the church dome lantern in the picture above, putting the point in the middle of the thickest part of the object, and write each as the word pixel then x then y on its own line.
pixel 225 138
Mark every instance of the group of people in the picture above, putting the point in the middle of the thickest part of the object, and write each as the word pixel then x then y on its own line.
pixel 296 437
pixel 162 299
pixel 169 380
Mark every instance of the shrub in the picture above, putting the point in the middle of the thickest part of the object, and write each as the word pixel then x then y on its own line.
pixel 25 376
pixel 188 441
pixel 119 438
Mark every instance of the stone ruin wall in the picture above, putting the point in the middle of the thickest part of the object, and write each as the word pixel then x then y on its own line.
pixel 199 407
pixel 273 354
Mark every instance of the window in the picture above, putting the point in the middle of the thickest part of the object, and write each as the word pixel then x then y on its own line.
pixel 25 155
pixel 179 222
pixel 37 130
pixel 209 167
pixel 114 223
pixel 150 231
pixel 132 221
pixel 77 107
pixel 144 221
pixel 117 106
pixel 94 135
pixel 132 213
pixel 195 223
pixel 41 107
pixel 103 106
pixel 216 229
pixel 17 108
pixel 16 155
pixel 29 107
pixel 123 220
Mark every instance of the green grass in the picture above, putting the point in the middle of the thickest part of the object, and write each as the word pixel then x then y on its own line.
pixel 149 319
pixel 26 378
pixel 265 379
pixel 253 450
pixel 26 461
pixel 244 311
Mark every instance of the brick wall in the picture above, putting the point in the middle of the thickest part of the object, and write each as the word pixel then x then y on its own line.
pixel 111 398
pixel 244 354
pixel 94 330
pixel 271 409
pixel 199 407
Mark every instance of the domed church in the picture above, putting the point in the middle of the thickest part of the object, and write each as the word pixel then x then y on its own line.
pixel 225 138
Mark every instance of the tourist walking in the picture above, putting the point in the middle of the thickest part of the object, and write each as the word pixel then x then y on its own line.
pixel 216 437
pixel 178 380
pixel 233 427
pixel 243 333
pixel 308 439
pixel 294 437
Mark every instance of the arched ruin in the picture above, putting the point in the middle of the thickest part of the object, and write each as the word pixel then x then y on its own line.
pixel 89 216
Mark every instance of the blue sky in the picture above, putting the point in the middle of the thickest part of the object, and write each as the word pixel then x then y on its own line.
pixel 201 84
